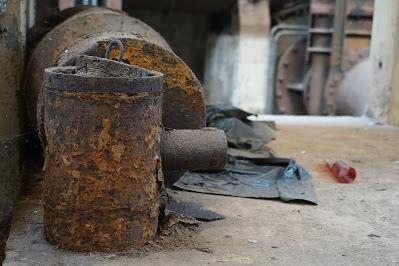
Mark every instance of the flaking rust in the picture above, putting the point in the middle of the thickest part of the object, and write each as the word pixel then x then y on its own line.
pixel 184 106
pixel 61 40
pixel 103 135
pixel 103 173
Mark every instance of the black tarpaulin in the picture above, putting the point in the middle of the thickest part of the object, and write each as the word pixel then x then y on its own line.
pixel 266 178
pixel 251 170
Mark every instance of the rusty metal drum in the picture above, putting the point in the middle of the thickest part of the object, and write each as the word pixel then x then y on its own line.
pixel 61 39
pixel 103 176
pixel 184 106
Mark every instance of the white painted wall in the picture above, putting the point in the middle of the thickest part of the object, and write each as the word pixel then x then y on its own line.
pixel 237 64
pixel 251 92
pixel 221 68
pixel 382 55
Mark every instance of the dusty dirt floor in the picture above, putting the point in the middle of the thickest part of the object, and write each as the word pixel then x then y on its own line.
pixel 354 224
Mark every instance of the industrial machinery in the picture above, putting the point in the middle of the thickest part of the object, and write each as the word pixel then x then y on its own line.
pixel 87 30
pixel 105 152
pixel 322 66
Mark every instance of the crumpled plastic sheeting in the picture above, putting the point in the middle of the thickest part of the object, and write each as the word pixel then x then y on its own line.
pixel 241 133
pixel 250 171
pixel 267 178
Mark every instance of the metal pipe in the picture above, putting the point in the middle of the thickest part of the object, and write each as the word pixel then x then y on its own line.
pixel 203 149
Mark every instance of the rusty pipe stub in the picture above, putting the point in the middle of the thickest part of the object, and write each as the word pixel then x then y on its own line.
pixel 103 176
pixel 201 149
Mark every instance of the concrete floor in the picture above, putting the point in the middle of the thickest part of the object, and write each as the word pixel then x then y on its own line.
pixel 354 224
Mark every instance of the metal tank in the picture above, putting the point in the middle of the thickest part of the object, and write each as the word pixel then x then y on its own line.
pixel 87 30
pixel 105 152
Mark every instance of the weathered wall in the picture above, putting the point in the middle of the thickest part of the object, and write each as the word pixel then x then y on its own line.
pixel 221 68
pixel 238 63
pixel 382 57
pixel 12 38
pixel 393 109
pixel 252 93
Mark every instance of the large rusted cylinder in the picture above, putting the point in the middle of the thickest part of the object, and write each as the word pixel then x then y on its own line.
pixel 63 39
pixel 184 106
pixel 103 169
pixel 203 149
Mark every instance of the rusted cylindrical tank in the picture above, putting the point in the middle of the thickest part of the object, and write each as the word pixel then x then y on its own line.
pixel 87 30
pixel 103 122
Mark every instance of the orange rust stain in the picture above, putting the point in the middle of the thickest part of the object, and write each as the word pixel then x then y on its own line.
pixel 108 97
pixel 104 137
pixel 117 151
pixel 102 160
pixel 58 103
pixel 177 74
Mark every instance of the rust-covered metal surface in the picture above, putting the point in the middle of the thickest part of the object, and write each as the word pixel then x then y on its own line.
pixel 103 169
pixel 200 149
pixel 338 34
pixel 203 149
pixel 184 106
pixel 290 73
pixel 87 31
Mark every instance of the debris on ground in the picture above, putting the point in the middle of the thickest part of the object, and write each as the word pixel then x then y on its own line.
pixel 179 225
pixel 192 209
pixel 245 137
pixel 342 172
pixel 261 178
pixel 252 169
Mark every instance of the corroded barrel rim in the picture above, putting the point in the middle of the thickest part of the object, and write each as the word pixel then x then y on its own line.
pixel 71 80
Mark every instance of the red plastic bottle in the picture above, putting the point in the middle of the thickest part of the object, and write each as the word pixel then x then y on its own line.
pixel 343 172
